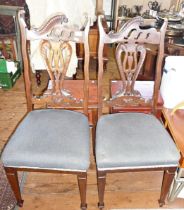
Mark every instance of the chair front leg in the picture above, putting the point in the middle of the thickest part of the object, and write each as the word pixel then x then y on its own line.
pixel 82 182
pixel 12 176
pixel 166 183
pixel 101 180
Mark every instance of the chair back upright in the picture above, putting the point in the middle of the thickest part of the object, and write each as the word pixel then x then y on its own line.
pixel 130 55
pixel 55 37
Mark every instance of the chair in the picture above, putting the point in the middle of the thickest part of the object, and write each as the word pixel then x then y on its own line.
pixel 132 141
pixel 52 140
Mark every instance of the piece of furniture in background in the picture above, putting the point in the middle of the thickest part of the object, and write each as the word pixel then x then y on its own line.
pixel 7 23
pixel 166 4
pixel 133 141
pixel 109 9
pixel 110 12
pixel 174 48
pixel 16 48
pixel 148 70
pixel 99 7
pixel 8 46
pixel 93 44
pixel 174 121
pixel 52 140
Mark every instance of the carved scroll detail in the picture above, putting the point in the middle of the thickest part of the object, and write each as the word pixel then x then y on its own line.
pixel 57 18
pixel 61 33
pixel 132 32
pixel 54 29
pixel 129 101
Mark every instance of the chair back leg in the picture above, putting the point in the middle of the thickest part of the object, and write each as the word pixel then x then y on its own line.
pixel 12 176
pixel 101 181
pixel 82 182
pixel 166 183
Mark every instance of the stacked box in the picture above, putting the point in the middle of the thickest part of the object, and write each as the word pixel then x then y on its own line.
pixel 7 80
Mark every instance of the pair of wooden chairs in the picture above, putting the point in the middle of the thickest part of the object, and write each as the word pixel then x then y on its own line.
pixel 55 140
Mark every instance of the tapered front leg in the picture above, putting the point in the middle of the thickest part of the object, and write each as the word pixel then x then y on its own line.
pixel 82 182
pixel 166 183
pixel 12 176
pixel 101 180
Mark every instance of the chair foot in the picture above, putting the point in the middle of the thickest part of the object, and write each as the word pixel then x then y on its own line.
pixel 101 180
pixel 20 203
pixel 161 203
pixel 166 183
pixel 100 206
pixel 82 182
pixel 83 206
pixel 12 176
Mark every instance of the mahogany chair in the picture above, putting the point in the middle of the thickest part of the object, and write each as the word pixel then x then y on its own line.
pixel 52 140
pixel 132 141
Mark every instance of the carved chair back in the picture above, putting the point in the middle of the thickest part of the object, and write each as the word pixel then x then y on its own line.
pixel 130 55
pixel 56 38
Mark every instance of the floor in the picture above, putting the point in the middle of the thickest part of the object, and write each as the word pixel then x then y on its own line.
pixel 60 192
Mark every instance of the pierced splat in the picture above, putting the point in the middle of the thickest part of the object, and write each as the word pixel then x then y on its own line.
pixel 57 57
pixel 130 59
pixel 131 40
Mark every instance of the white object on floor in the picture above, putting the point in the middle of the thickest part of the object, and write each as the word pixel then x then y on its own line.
pixel 177 187
pixel 172 84
pixel 181 194
pixel 11 67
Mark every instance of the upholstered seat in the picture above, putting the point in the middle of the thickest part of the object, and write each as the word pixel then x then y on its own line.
pixel 50 139
pixel 133 140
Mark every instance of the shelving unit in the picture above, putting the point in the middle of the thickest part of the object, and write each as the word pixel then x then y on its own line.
pixel 111 13
pixel 13 11
pixel 165 5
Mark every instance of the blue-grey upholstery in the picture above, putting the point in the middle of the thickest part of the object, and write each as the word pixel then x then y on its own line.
pixel 50 139
pixel 133 140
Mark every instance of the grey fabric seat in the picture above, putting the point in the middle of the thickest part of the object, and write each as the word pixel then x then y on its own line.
pixel 50 139
pixel 133 140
